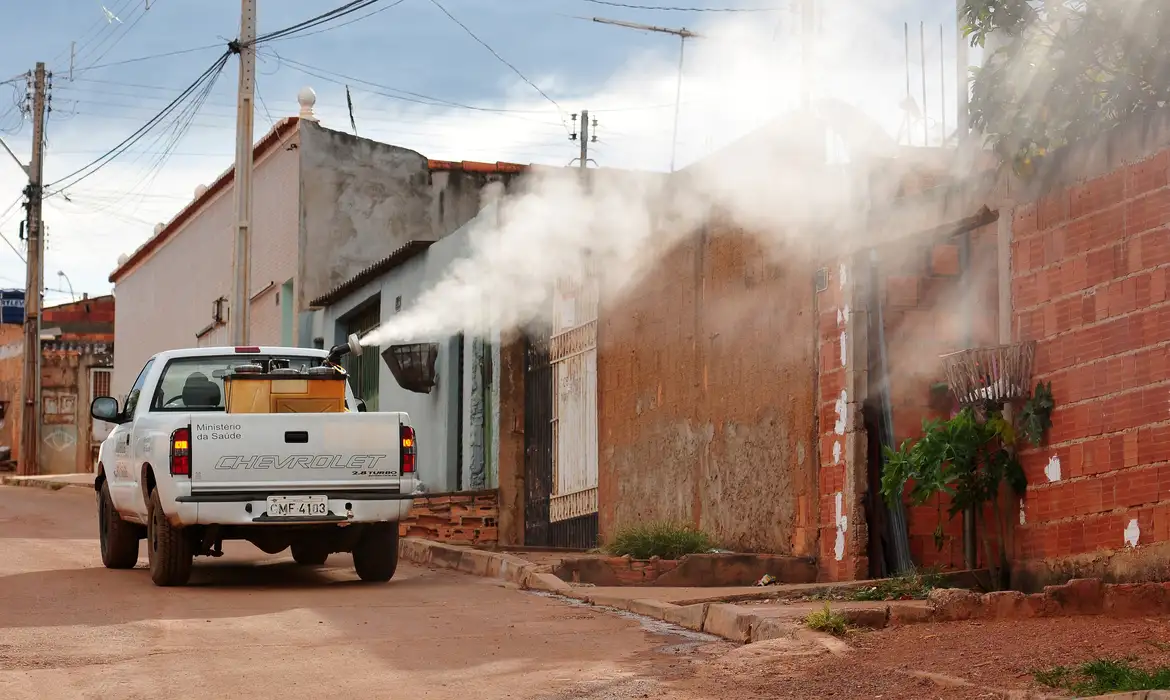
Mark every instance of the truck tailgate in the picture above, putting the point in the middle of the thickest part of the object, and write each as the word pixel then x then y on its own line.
pixel 295 450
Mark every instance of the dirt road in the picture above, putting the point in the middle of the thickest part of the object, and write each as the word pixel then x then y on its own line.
pixel 260 627
pixel 257 627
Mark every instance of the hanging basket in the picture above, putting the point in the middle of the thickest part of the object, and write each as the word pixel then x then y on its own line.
pixel 990 375
pixel 413 366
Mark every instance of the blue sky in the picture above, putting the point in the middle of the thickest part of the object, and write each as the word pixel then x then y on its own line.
pixel 732 85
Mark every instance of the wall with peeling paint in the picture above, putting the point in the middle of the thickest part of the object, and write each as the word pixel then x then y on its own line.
pixel 706 377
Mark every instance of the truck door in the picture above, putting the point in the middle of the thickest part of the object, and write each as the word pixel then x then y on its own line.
pixel 123 479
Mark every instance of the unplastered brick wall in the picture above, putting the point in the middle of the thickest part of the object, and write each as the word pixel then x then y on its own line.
pixel 467 517
pixel 931 310
pixel 1089 284
pixel 918 282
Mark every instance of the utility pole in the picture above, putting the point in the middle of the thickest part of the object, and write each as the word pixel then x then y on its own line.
pixel 585 136
pixel 245 46
pixel 683 34
pixel 31 417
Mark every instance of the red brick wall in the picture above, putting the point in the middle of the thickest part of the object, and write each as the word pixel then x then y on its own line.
pixel 919 287
pixel 1089 283
pixel 706 376
pixel 468 517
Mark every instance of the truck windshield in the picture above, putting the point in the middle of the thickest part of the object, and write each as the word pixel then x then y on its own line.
pixel 196 383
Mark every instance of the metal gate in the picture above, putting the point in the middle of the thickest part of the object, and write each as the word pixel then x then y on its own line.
pixel 363 370
pixel 573 355
pixel 538 440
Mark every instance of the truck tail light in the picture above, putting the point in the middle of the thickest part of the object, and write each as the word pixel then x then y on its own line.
pixel 247 349
pixel 181 452
pixel 408 451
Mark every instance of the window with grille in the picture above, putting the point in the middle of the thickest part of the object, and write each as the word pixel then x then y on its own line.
pixel 100 382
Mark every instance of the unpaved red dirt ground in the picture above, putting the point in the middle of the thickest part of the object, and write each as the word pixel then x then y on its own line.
pixel 258 627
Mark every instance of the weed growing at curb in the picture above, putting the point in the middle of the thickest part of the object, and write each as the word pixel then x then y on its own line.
pixel 826 620
pixel 915 585
pixel 664 540
pixel 1104 676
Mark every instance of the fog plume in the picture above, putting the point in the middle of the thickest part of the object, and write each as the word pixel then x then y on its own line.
pixel 559 222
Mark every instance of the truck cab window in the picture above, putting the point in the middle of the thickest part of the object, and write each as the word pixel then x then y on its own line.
pixel 132 397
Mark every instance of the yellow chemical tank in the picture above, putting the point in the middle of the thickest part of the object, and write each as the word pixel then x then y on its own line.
pixel 285 391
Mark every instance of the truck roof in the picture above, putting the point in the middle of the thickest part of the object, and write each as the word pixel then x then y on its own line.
pixel 249 350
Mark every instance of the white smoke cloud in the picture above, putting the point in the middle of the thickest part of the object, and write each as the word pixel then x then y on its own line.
pixel 773 183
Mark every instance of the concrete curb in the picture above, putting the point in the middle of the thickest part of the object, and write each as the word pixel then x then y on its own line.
pixel 48 484
pixel 724 620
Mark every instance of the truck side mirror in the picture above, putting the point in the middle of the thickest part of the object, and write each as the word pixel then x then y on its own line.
pixel 105 408
pixel 361 406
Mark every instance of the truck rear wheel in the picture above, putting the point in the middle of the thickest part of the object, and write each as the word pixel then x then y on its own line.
pixel 308 555
pixel 376 555
pixel 168 547
pixel 118 538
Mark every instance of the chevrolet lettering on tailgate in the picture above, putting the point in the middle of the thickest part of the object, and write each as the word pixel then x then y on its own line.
pixel 359 464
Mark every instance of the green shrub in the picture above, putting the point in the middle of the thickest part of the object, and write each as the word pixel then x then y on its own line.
pixel 665 540
pixel 826 620
pixel 1104 676
pixel 912 586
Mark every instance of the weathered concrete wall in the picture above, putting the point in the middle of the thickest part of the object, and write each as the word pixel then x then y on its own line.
pixel 194 267
pixel 442 435
pixel 361 200
pixel 706 377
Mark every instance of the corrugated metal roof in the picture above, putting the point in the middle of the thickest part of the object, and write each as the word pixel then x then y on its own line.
pixel 391 261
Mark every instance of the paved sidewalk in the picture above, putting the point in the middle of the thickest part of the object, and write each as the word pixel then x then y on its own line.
pixel 50 481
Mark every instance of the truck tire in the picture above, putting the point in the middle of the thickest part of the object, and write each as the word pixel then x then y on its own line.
pixel 118 538
pixel 308 555
pixel 168 548
pixel 376 555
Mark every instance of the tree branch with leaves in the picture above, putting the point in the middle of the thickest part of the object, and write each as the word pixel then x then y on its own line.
pixel 1064 70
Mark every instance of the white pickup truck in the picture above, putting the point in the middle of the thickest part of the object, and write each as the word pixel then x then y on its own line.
pixel 184 474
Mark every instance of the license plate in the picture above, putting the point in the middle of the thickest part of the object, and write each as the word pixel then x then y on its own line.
pixel 297 506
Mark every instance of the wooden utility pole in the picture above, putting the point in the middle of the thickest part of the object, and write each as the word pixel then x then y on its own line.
pixel 682 34
pixel 31 417
pixel 246 48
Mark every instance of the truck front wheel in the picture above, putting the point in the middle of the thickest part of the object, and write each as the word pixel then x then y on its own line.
pixel 376 555
pixel 118 538
pixel 168 547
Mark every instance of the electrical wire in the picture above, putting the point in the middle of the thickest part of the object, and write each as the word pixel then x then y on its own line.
pixel 323 18
pixel 97 164
pixel 406 95
pixel 501 59
pixel 343 24
pixel 129 28
pixel 627 6
pixel 150 58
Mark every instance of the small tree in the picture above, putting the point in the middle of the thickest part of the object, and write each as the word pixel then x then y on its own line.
pixel 1067 69
pixel 973 461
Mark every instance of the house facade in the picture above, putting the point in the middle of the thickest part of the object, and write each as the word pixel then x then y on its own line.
pixel 466 411
pixel 325 206
pixel 77 357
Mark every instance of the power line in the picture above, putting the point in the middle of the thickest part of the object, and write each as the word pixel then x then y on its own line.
pixel 97 164
pixel 151 58
pixel 129 28
pixel 501 59
pixel 415 97
pixel 323 18
pixel 343 24
pixel 611 3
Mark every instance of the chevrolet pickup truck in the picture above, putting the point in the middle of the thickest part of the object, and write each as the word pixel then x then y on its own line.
pixel 185 473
